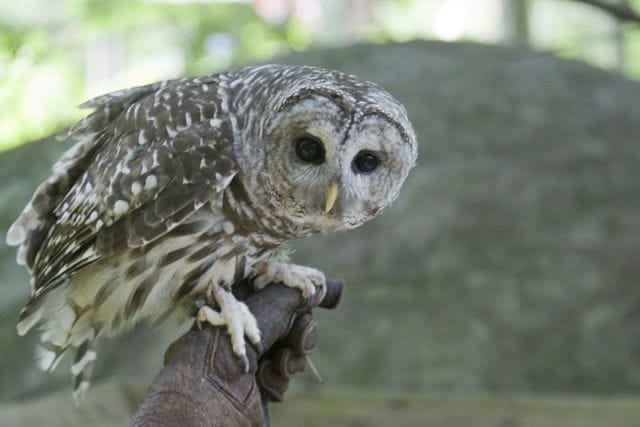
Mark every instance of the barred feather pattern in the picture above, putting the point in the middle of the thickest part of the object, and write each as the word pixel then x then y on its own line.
pixel 185 184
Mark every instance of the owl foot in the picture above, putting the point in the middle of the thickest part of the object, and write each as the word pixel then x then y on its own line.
pixel 307 279
pixel 236 317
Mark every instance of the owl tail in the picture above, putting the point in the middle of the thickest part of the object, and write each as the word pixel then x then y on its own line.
pixel 49 356
pixel 67 332
pixel 81 369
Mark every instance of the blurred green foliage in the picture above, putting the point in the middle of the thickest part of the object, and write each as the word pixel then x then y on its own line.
pixel 43 56
pixel 54 54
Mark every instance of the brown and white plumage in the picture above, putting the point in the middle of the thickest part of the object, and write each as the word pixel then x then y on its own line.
pixel 175 190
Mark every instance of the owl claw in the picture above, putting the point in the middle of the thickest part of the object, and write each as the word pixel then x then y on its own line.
pixel 237 318
pixel 244 362
pixel 307 279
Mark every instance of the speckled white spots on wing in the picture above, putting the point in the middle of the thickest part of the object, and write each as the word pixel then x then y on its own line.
pixel 142 137
pixel 92 217
pixel 120 207
pixel 150 182
pixel 228 227
pixel 234 83
pixel 136 187
pixel 123 168
pixel 71 246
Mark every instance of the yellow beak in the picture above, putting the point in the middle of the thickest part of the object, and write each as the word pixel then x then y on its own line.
pixel 330 197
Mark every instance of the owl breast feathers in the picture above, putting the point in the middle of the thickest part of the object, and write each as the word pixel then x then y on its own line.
pixel 179 187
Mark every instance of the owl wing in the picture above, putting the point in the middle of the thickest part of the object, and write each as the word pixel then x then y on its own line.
pixel 31 227
pixel 147 176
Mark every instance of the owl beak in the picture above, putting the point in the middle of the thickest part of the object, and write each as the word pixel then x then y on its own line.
pixel 330 197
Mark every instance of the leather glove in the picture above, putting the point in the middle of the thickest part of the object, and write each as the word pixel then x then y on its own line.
pixel 203 382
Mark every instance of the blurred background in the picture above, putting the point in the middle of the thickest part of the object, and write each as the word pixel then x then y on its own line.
pixel 502 288
pixel 55 54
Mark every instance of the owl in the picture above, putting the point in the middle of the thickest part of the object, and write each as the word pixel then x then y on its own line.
pixel 175 190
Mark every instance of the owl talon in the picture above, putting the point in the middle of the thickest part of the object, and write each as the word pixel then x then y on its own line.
pixel 238 320
pixel 197 305
pixel 308 280
pixel 209 315
pixel 244 362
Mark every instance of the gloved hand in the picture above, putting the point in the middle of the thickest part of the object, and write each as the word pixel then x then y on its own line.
pixel 203 382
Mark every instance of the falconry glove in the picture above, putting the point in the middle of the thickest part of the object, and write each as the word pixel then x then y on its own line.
pixel 203 383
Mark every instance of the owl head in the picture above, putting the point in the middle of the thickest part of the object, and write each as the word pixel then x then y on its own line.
pixel 326 150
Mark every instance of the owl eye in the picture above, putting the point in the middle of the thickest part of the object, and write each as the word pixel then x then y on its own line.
pixel 310 150
pixel 365 162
